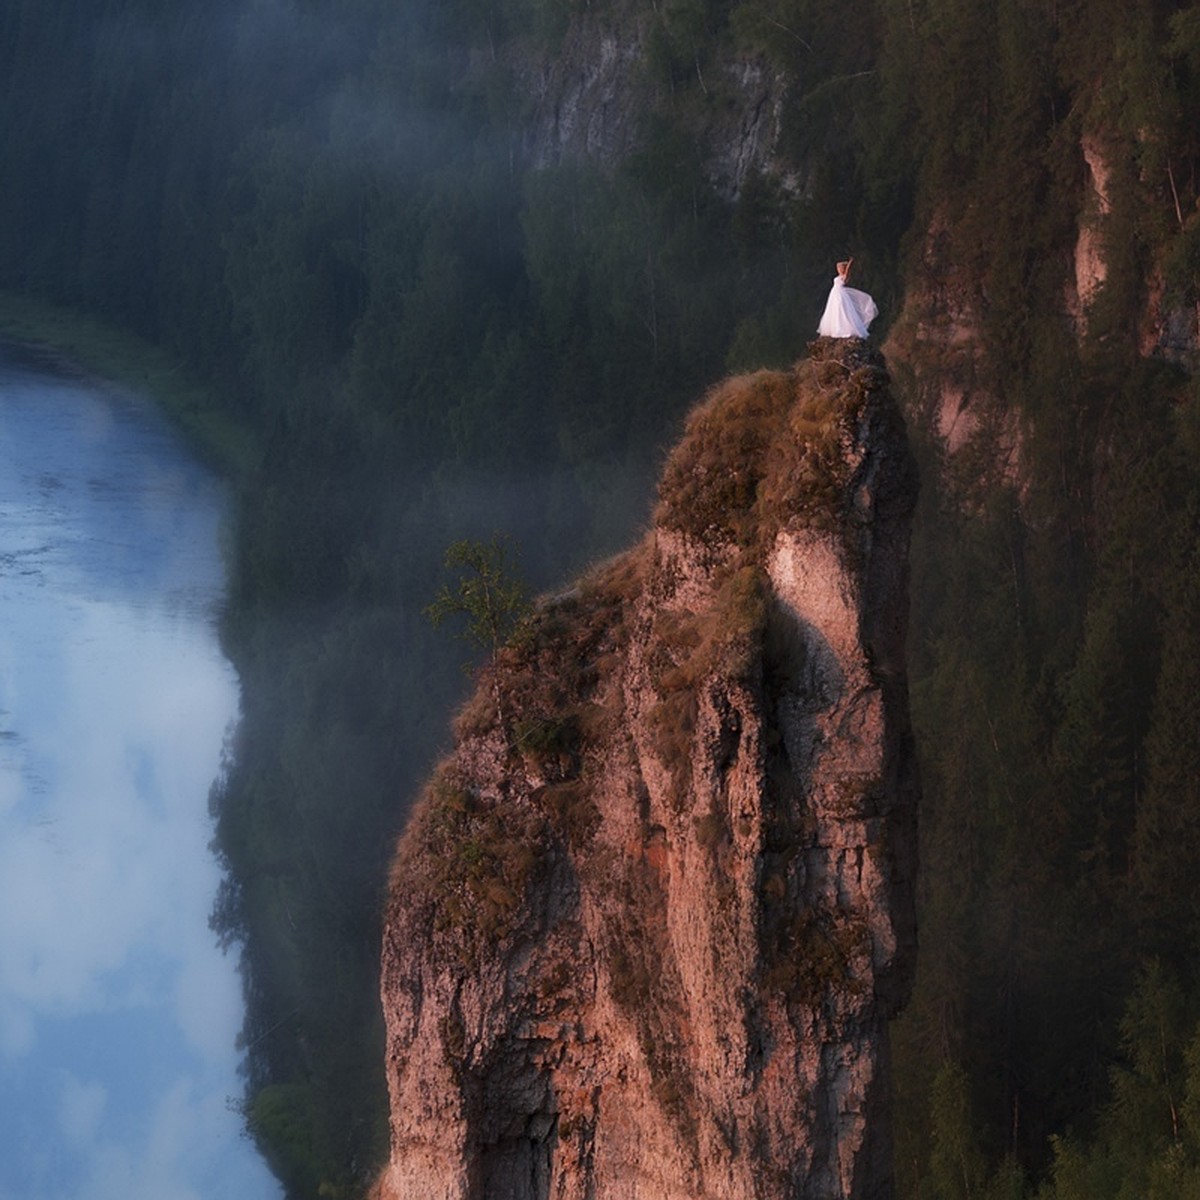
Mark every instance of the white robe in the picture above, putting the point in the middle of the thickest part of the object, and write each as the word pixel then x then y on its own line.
pixel 847 312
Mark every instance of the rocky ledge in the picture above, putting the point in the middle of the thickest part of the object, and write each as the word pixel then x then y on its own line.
pixel 650 918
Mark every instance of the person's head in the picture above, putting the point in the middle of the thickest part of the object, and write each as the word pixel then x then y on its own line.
pixel 843 268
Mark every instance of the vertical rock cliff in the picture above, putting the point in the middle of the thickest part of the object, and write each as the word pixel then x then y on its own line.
pixel 652 915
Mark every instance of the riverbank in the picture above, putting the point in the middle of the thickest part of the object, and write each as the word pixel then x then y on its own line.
pixel 85 346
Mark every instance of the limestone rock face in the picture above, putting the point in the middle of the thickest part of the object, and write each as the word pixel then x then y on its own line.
pixel 588 100
pixel 652 915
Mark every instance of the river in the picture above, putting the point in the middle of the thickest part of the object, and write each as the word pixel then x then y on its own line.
pixel 118 1013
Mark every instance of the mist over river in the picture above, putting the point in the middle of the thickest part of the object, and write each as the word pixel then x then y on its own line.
pixel 118 1013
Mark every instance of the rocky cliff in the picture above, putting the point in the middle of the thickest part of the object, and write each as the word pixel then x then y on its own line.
pixel 650 919
pixel 593 95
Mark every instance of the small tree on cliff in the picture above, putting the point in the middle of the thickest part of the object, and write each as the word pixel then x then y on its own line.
pixel 489 593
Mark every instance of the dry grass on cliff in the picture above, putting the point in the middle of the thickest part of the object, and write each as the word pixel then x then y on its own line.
pixel 563 673
pixel 552 672
pixel 471 857
pixel 515 786
pixel 809 950
pixel 768 449
pixel 722 640
pixel 710 483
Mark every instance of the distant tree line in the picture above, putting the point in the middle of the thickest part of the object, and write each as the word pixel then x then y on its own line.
pixel 320 207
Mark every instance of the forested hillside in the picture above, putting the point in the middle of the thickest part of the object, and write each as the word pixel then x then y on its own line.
pixel 329 210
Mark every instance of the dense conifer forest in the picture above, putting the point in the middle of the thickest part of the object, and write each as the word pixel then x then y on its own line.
pixel 321 208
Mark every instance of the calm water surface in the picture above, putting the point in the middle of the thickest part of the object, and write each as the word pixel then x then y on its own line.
pixel 118 1014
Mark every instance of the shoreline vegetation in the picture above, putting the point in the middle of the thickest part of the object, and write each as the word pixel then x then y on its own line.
pixel 89 347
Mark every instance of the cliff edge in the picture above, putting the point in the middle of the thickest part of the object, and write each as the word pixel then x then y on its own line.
pixel 650 918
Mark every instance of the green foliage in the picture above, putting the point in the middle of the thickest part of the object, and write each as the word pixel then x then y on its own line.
pixel 282 1121
pixel 1040 643
pixel 956 1164
pixel 1148 1142
pixel 488 594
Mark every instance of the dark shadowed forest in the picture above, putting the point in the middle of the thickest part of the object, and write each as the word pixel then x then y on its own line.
pixel 325 210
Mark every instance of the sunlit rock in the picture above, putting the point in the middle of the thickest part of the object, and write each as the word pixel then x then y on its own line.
pixel 653 913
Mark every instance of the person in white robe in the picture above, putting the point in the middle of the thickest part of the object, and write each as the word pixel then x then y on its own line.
pixel 848 312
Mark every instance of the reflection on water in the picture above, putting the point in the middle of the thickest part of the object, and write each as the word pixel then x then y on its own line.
pixel 118 1015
